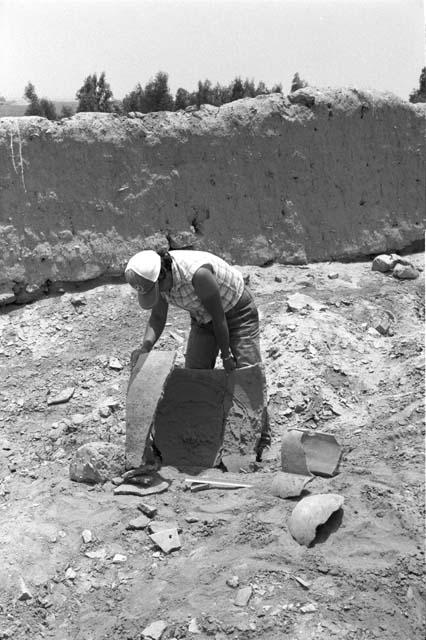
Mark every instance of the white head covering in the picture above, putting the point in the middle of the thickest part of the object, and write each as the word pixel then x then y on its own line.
pixel 147 264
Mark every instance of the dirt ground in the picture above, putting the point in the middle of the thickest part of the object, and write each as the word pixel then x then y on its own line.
pixel 327 369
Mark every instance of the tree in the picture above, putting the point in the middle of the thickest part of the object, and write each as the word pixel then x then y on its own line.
pixel 204 93
pixel 278 88
pixel 237 89
pixel 66 112
pixel 135 100
pixel 95 94
pixel 44 107
pixel 182 99
pixel 297 83
pixel 157 94
pixel 419 95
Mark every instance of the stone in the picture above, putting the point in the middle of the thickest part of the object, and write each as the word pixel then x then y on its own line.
pixel 64 396
pixel 146 387
pixel 78 300
pixel 243 596
pixel 168 540
pixel 87 536
pixel 382 325
pixel 24 592
pixel 193 626
pixel 96 462
pixel 182 240
pixel 333 276
pixel 114 363
pixel 384 262
pixel 147 509
pixel 308 608
pixel 299 301
pixel 233 582
pixel 133 490
pixel 206 413
pixel 7 297
pixel 119 558
pixel 104 411
pixel 155 630
pixel 405 272
pixel 98 554
pixel 138 523
pixel 70 574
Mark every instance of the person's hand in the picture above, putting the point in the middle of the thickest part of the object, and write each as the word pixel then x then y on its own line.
pixel 229 363
pixel 134 357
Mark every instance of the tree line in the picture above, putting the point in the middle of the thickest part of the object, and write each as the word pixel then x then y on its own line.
pixel 95 94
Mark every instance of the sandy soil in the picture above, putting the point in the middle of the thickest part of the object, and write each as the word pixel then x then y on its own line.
pixel 363 576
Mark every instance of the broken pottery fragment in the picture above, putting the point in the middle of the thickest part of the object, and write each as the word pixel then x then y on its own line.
pixel 243 596
pixel 146 387
pixel 134 490
pixel 288 485
pixel 310 513
pixel 168 540
pixel 306 453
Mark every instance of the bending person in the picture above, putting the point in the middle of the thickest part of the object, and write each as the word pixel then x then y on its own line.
pixel 224 317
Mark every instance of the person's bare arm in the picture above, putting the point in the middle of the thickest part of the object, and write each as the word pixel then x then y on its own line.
pixel 207 290
pixel 155 325
pixel 153 331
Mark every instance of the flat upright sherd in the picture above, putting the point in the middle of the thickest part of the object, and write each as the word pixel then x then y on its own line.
pixel 146 387
pixel 207 413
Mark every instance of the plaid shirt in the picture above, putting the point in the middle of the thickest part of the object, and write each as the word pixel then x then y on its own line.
pixel 182 294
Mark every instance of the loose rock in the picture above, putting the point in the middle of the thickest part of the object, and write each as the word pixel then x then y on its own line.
pixel 405 272
pixel 64 396
pixel 155 630
pixel 87 536
pixel 233 582
pixel 96 462
pixel 138 523
pixel 114 363
pixel 147 509
pixel 25 593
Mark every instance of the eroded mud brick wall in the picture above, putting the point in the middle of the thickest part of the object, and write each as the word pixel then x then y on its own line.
pixel 313 176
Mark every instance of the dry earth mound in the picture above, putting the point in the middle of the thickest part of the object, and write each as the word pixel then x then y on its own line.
pixel 313 176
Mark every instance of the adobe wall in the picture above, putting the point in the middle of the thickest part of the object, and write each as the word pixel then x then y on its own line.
pixel 317 175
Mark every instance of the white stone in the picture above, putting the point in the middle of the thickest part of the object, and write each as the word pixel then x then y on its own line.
pixel 155 630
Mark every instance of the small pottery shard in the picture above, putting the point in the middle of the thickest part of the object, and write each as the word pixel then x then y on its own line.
pixel 133 490
pixel 156 526
pixel 288 485
pixel 63 396
pixel 306 453
pixel 168 540
pixel 243 596
pixel 138 523
pixel 310 513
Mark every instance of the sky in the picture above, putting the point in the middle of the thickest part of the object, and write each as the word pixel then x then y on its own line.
pixel 56 44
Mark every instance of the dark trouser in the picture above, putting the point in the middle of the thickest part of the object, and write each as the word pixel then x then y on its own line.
pixel 243 326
